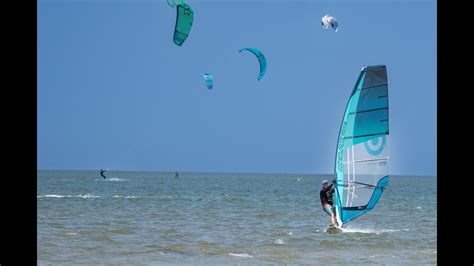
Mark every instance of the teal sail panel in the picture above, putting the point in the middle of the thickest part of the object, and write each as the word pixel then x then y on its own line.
pixel 362 158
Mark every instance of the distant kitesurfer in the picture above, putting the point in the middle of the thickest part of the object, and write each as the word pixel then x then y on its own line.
pixel 102 171
pixel 326 195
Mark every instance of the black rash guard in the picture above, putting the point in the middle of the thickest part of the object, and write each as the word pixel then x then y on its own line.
pixel 326 195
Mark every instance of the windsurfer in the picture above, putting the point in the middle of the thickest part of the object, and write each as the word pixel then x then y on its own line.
pixel 326 195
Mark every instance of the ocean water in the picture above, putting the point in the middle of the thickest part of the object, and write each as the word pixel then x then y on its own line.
pixel 152 218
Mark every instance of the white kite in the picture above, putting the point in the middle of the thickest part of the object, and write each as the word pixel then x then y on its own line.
pixel 329 20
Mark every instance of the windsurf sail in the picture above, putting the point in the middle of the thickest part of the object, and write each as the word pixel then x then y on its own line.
pixel 362 158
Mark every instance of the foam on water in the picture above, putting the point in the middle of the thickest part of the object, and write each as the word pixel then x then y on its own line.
pixel 371 231
pixel 68 196
pixel 83 196
pixel 111 179
pixel 279 242
pixel 51 196
pixel 240 255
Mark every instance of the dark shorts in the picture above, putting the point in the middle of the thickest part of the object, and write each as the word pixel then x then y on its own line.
pixel 328 209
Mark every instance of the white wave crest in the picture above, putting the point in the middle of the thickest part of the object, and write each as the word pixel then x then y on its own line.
pixel 87 196
pixel 371 231
pixel 279 242
pixel 240 255
pixel 51 196
pixel 111 179
pixel 68 196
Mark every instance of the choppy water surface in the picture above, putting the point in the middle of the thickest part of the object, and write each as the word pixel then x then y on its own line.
pixel 144 218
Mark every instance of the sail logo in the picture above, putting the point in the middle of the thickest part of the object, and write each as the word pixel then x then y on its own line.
pixel 375 146
pixel 340 148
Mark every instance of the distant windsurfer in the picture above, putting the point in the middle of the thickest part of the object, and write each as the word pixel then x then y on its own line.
pixel 326 195
pixel 176 175
pixel 102 171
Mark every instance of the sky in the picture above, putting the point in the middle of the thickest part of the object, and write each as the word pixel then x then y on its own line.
pixel 115 92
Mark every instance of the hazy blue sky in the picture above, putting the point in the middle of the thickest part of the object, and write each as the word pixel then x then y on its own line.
pixel 115 92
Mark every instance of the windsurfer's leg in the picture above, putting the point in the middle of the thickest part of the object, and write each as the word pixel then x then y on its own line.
pixel 328 210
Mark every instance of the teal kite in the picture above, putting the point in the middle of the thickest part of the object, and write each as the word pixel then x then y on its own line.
pixel 184 22
pixel 173 3
pixel 209 79
pixel 261 60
